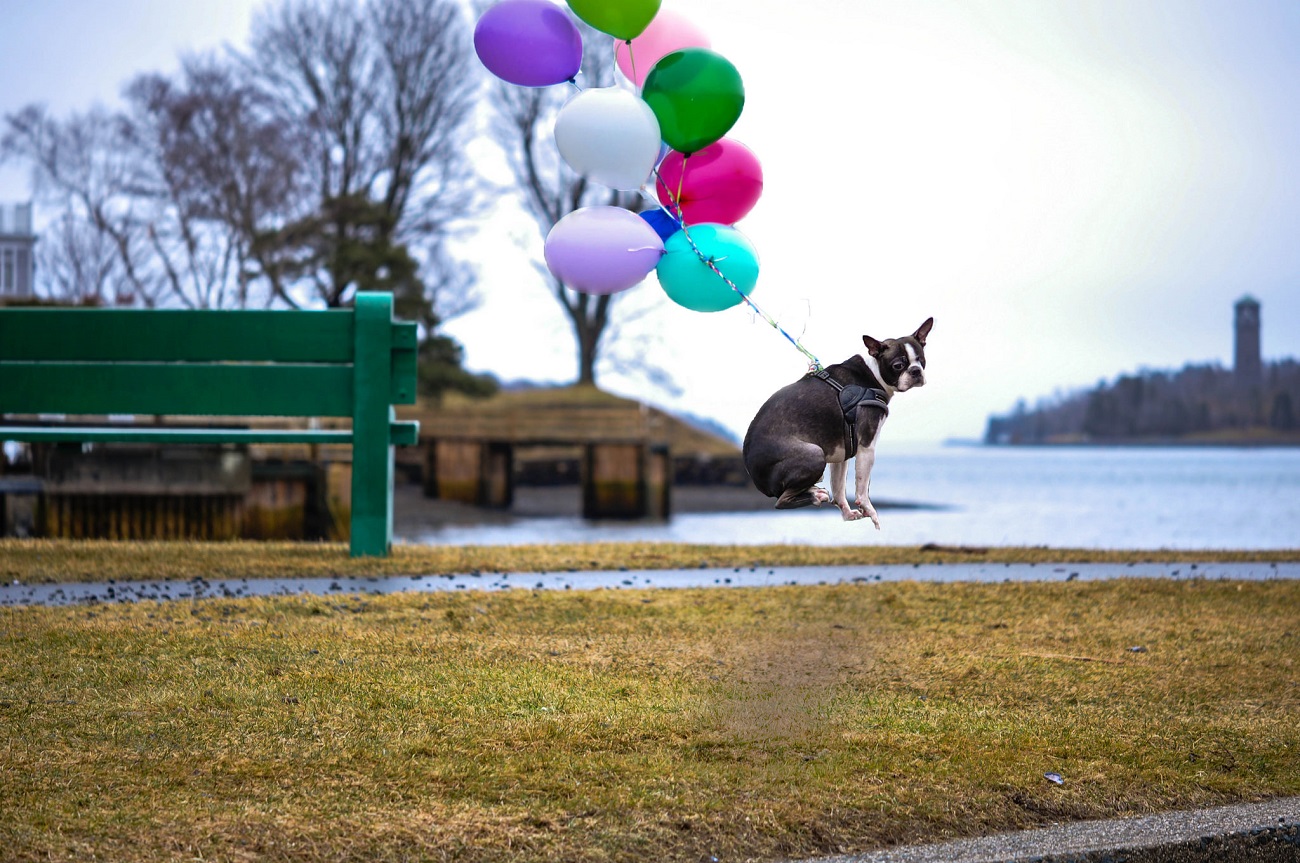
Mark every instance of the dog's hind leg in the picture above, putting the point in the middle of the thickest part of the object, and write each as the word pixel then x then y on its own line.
pixel 793 499
pixel 797 474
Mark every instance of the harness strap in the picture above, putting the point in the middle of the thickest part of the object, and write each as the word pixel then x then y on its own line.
pixel 851 397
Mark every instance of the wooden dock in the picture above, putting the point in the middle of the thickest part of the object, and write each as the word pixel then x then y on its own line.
pixel 469 452
pixel 624 455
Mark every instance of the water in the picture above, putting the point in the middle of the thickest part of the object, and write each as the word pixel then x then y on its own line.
pixel 1133 498
pixel 17 594
pixel 1077 497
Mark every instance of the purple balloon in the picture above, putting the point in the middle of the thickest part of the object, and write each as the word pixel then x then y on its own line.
pixel 602 250
pixel 533 43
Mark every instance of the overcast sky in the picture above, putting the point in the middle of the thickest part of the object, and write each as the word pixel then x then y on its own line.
pixel 1072 190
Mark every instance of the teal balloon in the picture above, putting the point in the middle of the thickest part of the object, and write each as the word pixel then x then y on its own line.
pixel 689 281
pixel 697 96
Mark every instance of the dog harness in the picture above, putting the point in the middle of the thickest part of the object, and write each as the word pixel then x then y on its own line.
pixel 851 397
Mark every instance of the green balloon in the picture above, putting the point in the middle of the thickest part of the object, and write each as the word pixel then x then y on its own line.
pixel 697 95
pixel 622 19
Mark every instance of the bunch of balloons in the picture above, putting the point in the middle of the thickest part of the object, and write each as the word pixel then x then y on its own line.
pixel 660 131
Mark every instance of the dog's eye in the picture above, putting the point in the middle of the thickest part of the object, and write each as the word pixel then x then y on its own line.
pixel 899 365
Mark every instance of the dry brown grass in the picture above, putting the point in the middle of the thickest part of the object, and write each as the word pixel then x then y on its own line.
pixel 627 725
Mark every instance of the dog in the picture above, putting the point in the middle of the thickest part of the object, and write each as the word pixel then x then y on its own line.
pixel 829 417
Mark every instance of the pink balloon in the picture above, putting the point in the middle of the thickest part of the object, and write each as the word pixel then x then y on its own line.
pixel 668 32
pixel 602 250
pixel 720 183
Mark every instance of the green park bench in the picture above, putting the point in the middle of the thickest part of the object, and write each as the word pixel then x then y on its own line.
pixel 354 363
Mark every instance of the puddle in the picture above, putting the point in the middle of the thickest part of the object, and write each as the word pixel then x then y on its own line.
pixel 17 594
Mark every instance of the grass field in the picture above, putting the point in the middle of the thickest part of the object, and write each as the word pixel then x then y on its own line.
pixel 683 725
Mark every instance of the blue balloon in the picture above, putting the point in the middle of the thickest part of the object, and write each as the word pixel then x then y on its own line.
pixel 665 225
pixel 689 277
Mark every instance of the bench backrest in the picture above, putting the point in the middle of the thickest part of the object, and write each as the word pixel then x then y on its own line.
pixel 234 363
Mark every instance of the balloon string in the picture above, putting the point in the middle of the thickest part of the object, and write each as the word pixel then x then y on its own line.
pixel 675 214
pixel 677 198
pixel 816 364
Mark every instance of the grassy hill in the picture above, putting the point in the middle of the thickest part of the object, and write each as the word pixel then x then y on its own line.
pixel 559 412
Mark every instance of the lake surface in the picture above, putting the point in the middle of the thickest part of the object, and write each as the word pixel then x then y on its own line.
pixel 1078 497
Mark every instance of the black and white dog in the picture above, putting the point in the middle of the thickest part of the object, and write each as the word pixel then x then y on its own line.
pixel 828 418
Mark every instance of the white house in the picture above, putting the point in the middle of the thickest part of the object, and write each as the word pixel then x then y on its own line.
pixel 17 251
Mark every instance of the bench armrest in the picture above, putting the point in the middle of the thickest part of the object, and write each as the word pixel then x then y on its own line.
pixel 404 432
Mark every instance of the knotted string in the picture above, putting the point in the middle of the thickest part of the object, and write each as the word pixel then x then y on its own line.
pixel 675 213
pixel 711 263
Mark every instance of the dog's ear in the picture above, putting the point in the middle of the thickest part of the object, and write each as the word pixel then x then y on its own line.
pixel 873 346
pixel 923 330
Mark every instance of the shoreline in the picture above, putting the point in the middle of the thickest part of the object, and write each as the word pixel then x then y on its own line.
pixel 1137 443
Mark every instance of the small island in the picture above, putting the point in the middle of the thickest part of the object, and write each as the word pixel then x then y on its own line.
pixel 1255 403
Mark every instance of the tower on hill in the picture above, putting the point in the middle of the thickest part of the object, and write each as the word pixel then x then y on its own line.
pixel 1248 364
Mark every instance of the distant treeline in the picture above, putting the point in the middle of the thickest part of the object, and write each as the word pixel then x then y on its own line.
pixel 1198 403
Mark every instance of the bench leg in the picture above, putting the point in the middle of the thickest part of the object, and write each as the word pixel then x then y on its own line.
pixel 372 500
pixel 372 416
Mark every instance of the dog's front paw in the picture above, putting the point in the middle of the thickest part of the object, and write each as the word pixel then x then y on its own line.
pixel 868 511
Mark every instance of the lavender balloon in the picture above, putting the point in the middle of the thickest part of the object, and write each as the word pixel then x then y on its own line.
pixel 602 250
pixel 533 43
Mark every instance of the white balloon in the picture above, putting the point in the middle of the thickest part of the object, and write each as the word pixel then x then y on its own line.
pixel 609 135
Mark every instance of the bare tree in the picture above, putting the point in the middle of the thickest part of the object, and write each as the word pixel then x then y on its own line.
pixel 382 92
pixel 82 166
pixel 549 189
pixel 214 166
pixel 175 185
pixel 78 263
pixel 328 159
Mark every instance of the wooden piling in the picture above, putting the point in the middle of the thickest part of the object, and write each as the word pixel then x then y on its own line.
pixel 614 480
pixel 457 470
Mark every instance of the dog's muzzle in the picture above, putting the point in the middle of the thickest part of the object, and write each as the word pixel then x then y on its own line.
pixel 913 377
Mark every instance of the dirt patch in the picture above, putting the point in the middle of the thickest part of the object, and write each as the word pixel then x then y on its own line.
pixel 786 683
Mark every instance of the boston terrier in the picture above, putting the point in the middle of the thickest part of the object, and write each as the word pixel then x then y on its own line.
pixel 829 417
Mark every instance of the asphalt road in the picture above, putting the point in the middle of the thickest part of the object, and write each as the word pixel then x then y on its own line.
pixel 1266 832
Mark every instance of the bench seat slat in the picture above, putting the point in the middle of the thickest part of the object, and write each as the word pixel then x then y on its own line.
pixel 223 389
pixel 404 433
pixel 162 434
pixel 142 335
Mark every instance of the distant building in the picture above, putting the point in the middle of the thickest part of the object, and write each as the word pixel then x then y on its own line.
pixel 1248 364
pixel 17 251
pixel 1250 403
